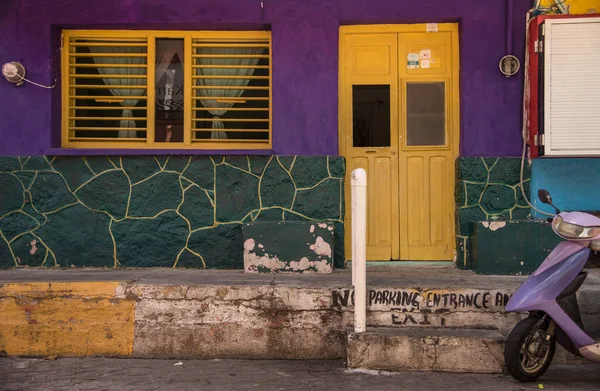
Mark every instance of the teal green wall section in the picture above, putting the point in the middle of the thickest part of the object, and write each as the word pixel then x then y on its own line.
pixel 487 188
pixel 573 182
pixel 289 247
pixel 176 211
pixel 511 247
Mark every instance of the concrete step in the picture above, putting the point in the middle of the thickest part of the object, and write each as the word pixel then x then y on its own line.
pixel 427 349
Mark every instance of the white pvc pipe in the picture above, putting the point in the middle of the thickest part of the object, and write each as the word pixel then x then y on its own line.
pixel 353 230
pixel 359 245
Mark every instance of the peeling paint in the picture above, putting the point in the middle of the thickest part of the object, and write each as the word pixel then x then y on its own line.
pixel 323 225
pixel 253 263
pixel 34 248
pixel 249 244
pixel 312 229
pixel 321 247
pixel 494 225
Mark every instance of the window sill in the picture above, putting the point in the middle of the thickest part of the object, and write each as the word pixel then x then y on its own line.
pixel 152 152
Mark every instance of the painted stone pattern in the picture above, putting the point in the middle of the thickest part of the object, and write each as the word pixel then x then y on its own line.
pixel 487 188
pixel 288 247
pixel 177 211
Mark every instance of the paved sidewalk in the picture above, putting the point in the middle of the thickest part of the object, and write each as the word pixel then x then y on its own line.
pixel 124 375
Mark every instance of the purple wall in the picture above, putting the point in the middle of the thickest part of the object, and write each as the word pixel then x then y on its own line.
pixel 305 61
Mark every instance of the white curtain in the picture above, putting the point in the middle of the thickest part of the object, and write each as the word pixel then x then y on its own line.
pixel 124 92
pixel 219 109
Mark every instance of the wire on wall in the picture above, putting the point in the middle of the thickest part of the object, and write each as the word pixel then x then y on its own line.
pixel 526 97
pixel 14 72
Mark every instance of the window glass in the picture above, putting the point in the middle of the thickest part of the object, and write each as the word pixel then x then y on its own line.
pixel 425 114
pixel 169 76
pixel 371 116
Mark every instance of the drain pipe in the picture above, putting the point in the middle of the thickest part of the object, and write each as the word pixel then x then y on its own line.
pixel 509 25
pixel 359 248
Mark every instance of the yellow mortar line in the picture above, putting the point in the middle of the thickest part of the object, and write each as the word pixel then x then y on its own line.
pixel 213 203
pixel 318 184
pixel 61 208
pixel 155 174
pixel 130 186
pixel 215 189
pixel 88 166
pixel 111 162
pixel 112 237
pixel 237 168
pixel 19 179
pixel 158 163
pixel 260 203
pixel 91 179
pixel 27 214
pixel 9 248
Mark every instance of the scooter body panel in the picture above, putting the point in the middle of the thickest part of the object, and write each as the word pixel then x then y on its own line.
pixel 540 291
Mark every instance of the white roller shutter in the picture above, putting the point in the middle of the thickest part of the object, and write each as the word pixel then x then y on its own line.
pixel 572 87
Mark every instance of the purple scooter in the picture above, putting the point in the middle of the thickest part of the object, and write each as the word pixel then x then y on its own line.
pixel 549 295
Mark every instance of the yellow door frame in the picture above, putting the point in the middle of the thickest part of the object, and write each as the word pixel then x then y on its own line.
pixel 453 108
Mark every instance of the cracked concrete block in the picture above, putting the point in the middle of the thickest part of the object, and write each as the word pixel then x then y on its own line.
pixel 265 322
pixel 288 247
pixel 427 349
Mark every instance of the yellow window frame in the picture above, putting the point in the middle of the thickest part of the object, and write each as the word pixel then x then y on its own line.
pixel 189 37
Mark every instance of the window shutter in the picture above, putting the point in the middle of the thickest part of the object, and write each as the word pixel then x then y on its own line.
pixel 572 86
pixel 231 90
pixel 106 85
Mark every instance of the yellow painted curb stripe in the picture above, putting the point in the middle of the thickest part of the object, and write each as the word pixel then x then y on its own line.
pixel 66 319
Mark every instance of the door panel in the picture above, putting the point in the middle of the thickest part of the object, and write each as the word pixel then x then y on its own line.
pixel 426 170
pixel 434 49
pixel 428 219
pixel 369 121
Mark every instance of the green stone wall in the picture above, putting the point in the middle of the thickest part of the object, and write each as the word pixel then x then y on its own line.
pixel 487 188
pixel 157 211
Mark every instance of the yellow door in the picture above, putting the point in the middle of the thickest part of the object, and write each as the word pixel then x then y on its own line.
pixel 370 113
pixel 409 157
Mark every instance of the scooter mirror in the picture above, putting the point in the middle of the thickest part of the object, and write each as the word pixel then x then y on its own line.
pixel 545 196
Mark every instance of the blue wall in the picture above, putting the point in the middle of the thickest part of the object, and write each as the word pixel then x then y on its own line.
pixel 573 182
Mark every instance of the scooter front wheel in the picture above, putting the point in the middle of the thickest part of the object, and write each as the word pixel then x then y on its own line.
pixel 529 349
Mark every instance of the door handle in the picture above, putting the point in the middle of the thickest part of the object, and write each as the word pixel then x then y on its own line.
pixel 371 151
pixel 394 152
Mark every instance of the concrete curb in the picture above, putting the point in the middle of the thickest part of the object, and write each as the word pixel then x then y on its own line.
pixel 229 319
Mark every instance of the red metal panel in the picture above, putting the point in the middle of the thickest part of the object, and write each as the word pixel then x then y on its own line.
pixel 532 103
